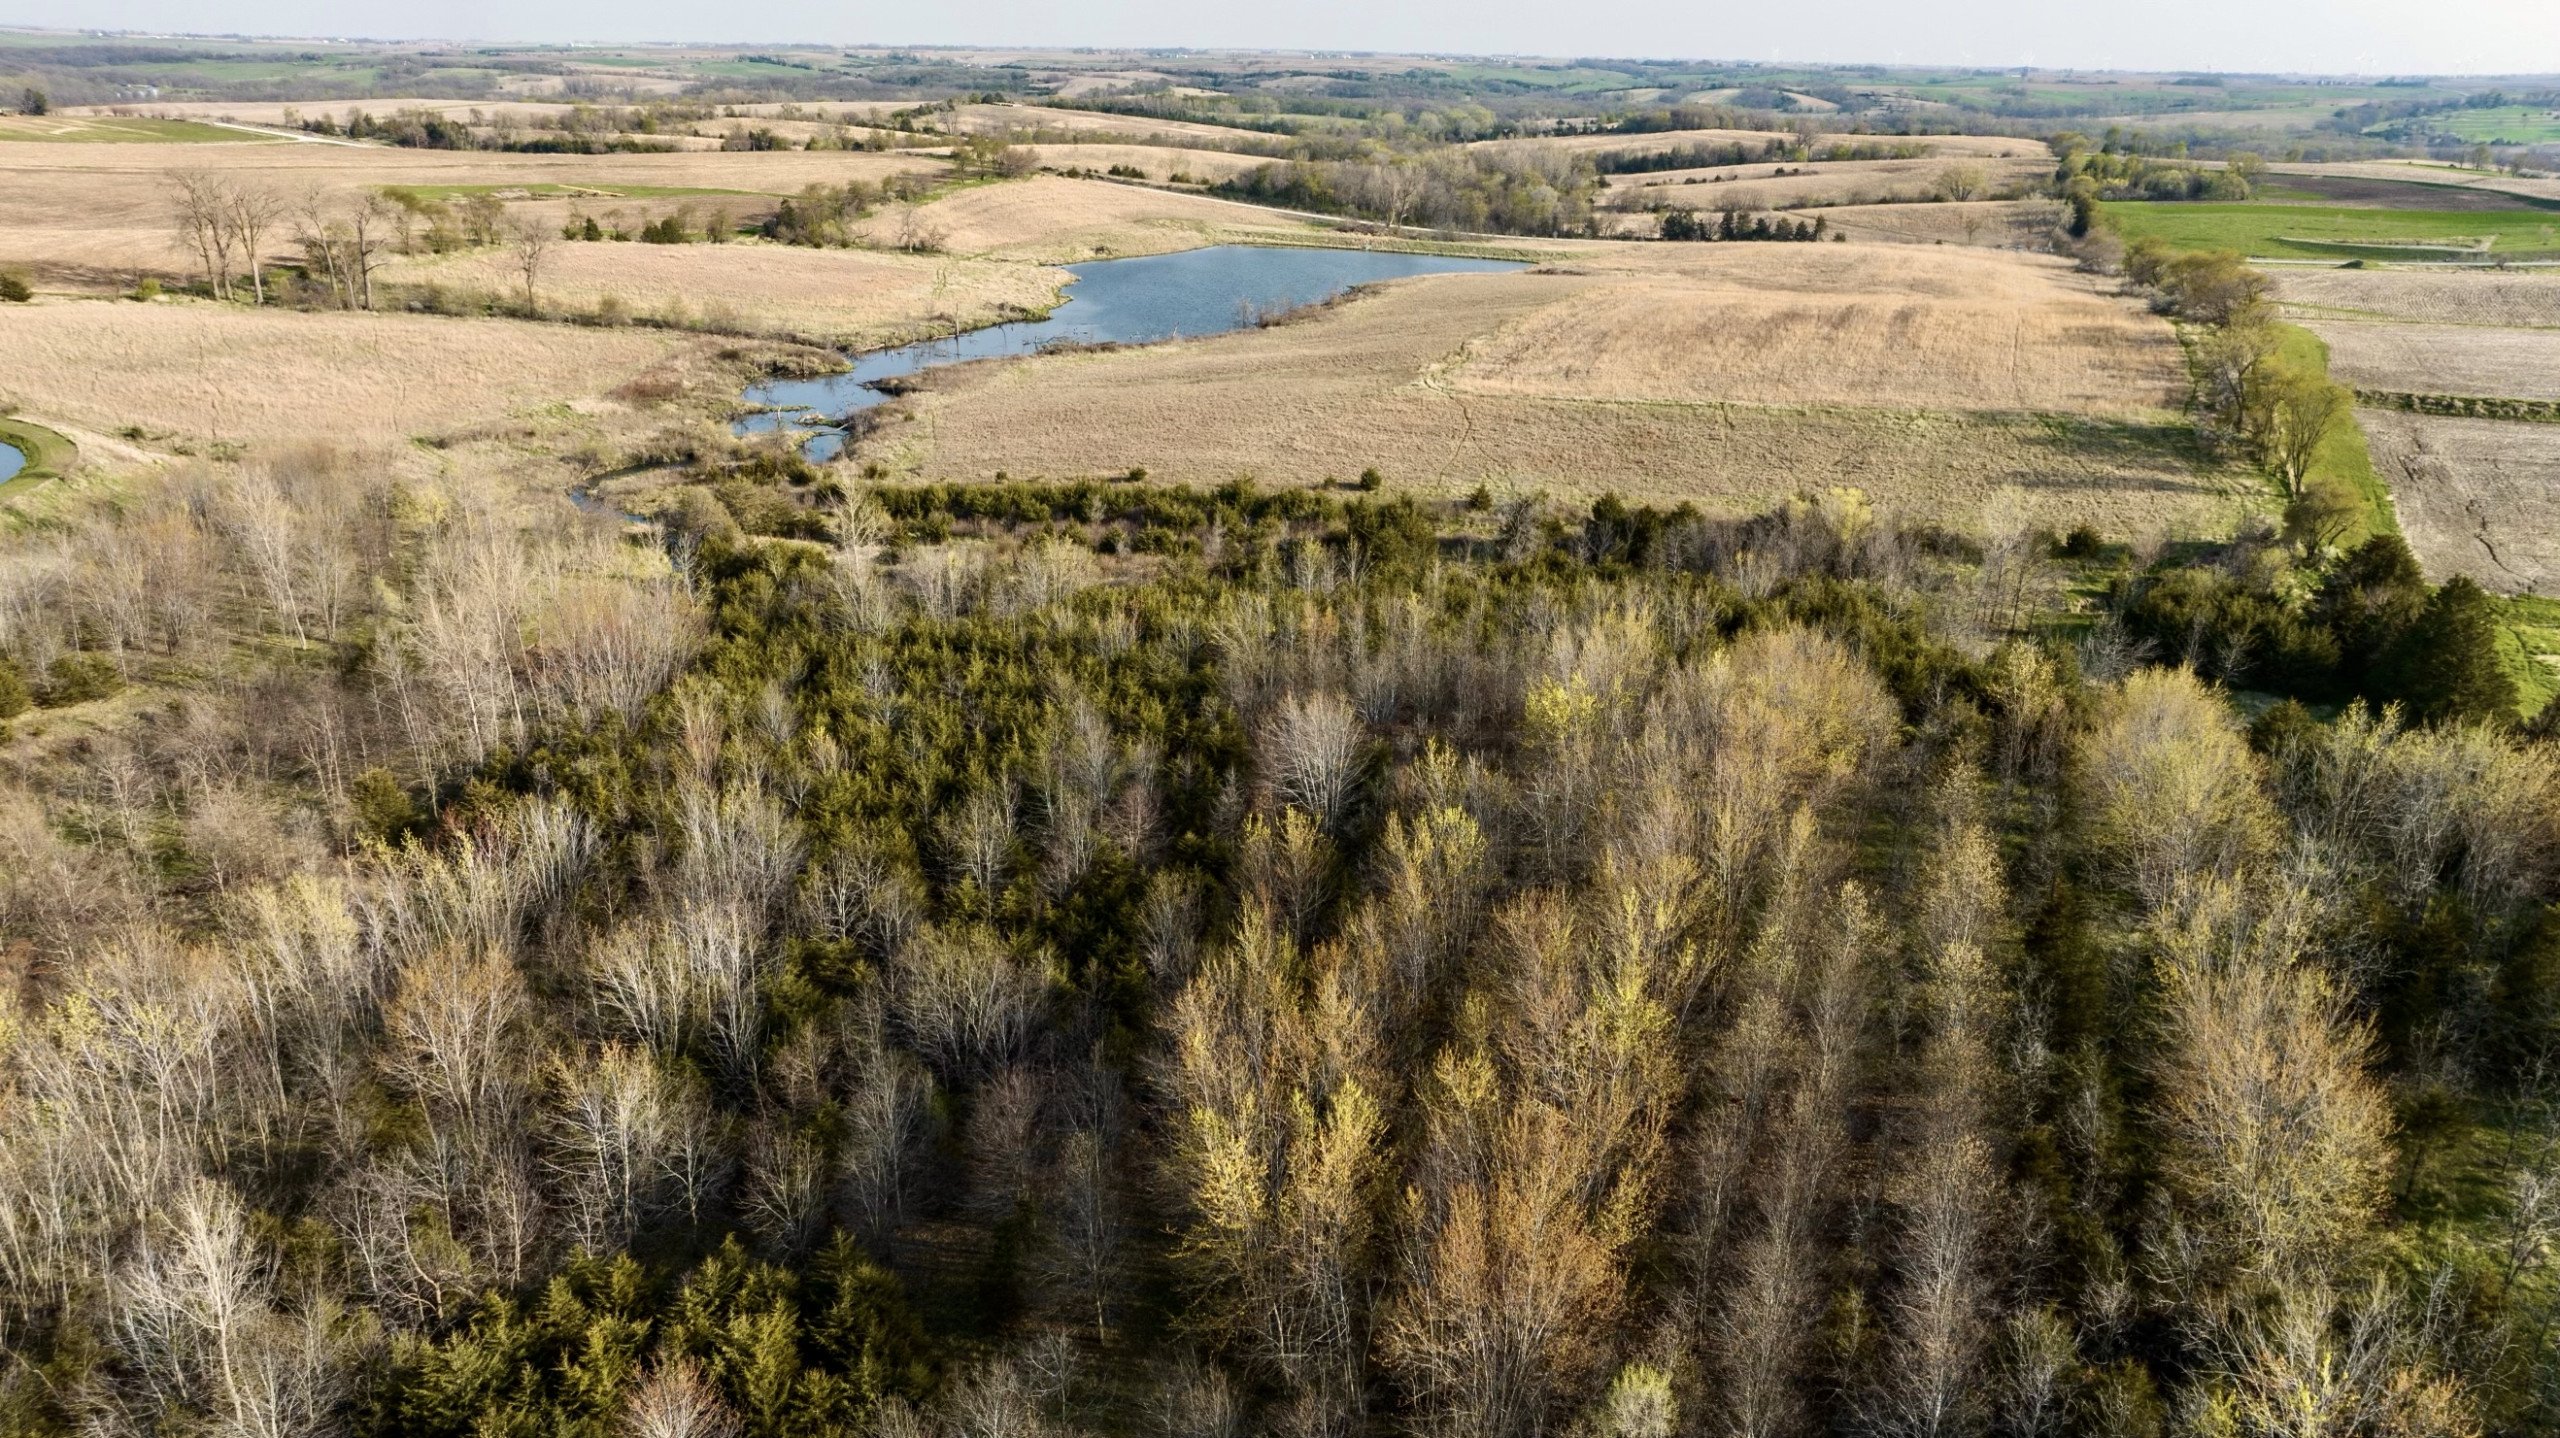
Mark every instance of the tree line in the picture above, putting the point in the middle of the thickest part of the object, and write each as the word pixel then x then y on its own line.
pixel 1686 224
pixel 235 231
pixel 1704 155
pixel 1508 190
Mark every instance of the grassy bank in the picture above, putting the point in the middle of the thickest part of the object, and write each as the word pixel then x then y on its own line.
pixel 2528 630
pixel 49 455
pixel 2344 455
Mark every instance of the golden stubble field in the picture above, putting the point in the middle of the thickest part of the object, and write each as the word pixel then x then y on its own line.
pixel 1938 146
pixel 1949 382
pixel 2001 224
pixel 1053 219
pixel 1835 325
pixel 1043 120
pixel 135 381
pixel 1846 182
pixel 1155 162
pixel 852 298
pixel 98 215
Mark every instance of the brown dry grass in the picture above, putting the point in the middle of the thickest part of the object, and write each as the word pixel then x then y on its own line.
pixel 1033 119
pixel 1838 325
pixel 856 298
pixel 2524 299
pixel 1987 146
pixel 1400 379
pixel 97 215
pixel 808 119
pixel 2001 224
pixel 2443 359
pixel 1850 182
pixel 1157 162
pixel 1052 220
pixel 194 374
pixel 1091 81
pixel 2475 496
pixel 271 112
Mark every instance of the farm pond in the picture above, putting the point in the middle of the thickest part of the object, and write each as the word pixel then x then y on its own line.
pixel 12 459
pixel 1133 301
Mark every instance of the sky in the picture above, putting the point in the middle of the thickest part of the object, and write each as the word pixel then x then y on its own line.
pixel 2400 37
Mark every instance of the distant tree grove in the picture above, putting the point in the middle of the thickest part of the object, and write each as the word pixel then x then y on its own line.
pixel 1041 959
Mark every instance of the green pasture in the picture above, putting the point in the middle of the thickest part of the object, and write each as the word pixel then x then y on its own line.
pixel 2529 642
pixel 113 130
pixel 2330 232
pixel 2510 125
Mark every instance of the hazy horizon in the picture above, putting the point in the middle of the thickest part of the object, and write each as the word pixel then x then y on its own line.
pixel 2341 37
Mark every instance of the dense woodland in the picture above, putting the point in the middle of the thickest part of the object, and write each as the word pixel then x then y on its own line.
pixel 1116 959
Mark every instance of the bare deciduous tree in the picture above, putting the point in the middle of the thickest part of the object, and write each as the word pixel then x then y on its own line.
pixel 676 1400
pixel 529 242
pixel 252 211
pixel 1311 756
pixel 204 228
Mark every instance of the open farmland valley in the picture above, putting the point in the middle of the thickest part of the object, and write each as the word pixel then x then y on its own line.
pixel 915 736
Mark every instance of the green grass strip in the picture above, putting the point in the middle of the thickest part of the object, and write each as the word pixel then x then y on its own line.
pixel 2529 628
pixel 49 455
pixel 2344 455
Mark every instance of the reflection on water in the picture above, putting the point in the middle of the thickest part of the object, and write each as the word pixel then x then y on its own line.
pixel 1133 301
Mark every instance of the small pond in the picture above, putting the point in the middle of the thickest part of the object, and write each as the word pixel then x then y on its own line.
pixel 1132 301
pixel 12 459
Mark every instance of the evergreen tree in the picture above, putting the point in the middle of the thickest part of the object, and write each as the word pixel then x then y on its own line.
pixel 2373 597
pixel 2444 668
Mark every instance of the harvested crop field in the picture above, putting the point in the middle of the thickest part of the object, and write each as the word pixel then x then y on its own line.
pixel 2475 496
pixel 2000 224
pixel 1446 382
pixel 193 374
pixel 1847 182
pixel 1155 162
pixel 2523 299
pixel 2443 359
pixel 1655 142
pixel 1039 121
pixel 857 298
pixel 1055 220
pixel 2370 192
pixel 285 112
pixel 2426 173
pixel 1837 325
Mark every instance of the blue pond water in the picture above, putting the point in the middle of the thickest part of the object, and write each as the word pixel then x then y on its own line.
pixel 12 459
pixel 1133 301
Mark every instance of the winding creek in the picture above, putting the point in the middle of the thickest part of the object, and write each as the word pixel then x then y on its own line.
pixel 1133 301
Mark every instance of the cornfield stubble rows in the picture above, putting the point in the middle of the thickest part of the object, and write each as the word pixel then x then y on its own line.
pixel 2443 359
pixel 2475 496
pixel 2523 299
